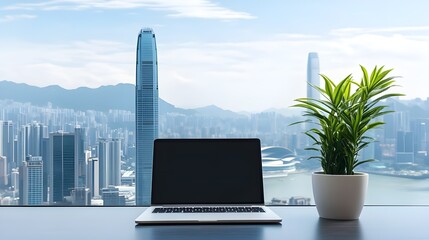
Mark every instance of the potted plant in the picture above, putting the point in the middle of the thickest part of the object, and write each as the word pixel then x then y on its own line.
pixel 342 117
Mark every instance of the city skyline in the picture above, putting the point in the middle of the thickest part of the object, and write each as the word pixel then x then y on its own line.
pixel 101 50
pixel 401 149
pixel 396 141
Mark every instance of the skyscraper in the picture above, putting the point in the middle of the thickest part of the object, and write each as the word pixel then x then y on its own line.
pixel 313 80
pixel 62 166
pixel 31 180
pixel 29 141
pixel 146 112
pixel 103 152
pixel 313 77
pixel 80 161
pixel 36 132
pixel 46 165
pixel 7 143
pixel 109 156
pixel 114 170
pixel 14 179
pixel 3 172
pixel 92 178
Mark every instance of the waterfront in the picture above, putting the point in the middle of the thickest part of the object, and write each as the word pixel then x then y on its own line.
pixel 382 190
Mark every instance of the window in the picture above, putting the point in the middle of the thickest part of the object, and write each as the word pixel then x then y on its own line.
pixel 226 69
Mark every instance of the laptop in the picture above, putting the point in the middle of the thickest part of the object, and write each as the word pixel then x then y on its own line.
pixel 207 181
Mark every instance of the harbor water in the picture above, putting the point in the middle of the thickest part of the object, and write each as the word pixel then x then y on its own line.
pixel 382 190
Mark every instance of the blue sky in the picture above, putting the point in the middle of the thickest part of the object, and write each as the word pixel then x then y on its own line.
pixel 241 55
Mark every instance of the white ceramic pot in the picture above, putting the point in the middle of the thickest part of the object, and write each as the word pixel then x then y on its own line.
pixel 339 197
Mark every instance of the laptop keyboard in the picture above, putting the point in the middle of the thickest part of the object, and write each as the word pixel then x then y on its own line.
pixel 208 210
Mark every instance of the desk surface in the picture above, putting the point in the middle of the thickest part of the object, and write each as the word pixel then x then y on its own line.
pixel 376 222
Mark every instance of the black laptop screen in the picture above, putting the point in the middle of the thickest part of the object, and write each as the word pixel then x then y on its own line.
pixel 207 171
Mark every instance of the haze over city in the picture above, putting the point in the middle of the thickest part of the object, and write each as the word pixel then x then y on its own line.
pixel 251 53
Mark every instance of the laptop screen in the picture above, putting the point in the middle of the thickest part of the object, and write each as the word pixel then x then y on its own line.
pixel 207 171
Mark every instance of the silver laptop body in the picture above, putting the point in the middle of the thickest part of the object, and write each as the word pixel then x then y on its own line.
pixel 207 181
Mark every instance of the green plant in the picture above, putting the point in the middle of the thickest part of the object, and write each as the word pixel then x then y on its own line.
pixel 345 113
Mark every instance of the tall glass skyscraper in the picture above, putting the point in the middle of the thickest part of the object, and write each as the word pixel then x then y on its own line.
pixel 146 112
pixel 62 166
pixel 313 75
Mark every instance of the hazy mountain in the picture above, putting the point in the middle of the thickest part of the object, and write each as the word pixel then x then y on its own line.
pixel 121 97
pixel 214 111
pixel 103 98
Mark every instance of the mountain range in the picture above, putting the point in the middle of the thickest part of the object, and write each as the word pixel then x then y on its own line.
pixel 103 98
pixel 121 96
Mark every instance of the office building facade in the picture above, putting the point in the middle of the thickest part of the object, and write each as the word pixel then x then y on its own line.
pixel 146 112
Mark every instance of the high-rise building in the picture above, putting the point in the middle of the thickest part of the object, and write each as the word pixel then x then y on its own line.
pixel 313 77
pixel 109 156
pixel 93 178
pixel 146 112
pixel 62 166
pixel 14 179
pixel 313 80
pixel 103 160
pixel 80 161
pixel 404 147
pixel 111 197
pixel 3 172
pixel 29 141
pixel 36 132
pixel 81 196
pixel 21 141
pixel 46 165
pixel 420 130
pixel 114 169
pixel 31 181
pixel 7 143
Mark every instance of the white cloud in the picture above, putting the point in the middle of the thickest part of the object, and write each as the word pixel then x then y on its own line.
pixel 176 8
pixel 10 18
pixel 354 31
pixel 257 75
pixel 251 75
pixel 90 64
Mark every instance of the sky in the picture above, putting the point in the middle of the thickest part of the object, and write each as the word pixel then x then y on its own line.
pixel 241 55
